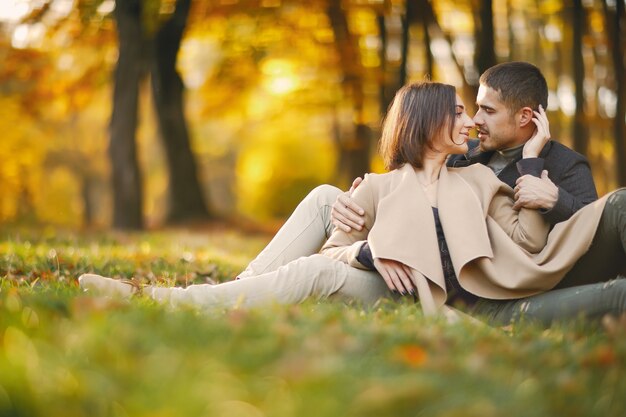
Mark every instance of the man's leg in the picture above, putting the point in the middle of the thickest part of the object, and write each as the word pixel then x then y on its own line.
pixel 303 234
pixel 589 302
pixel 582 292
pixel 315 276
pixel 606 257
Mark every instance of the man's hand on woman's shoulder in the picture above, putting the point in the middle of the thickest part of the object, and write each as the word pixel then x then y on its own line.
pixel 346 214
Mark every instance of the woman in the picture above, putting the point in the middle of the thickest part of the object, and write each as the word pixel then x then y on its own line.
pixel 495 251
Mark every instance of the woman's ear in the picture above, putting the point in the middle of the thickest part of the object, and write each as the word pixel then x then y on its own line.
pixel 526 115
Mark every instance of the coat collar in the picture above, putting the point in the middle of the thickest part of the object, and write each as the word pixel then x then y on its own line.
pixel 404 229
pixel 463 225
pixel 508 175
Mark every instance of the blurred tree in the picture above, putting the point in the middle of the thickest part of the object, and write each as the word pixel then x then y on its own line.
pixel 186 199
pixel 139 50
pixel 394 74
pixel 279 91
pixel 130 69
pixel 355 151
pixel 437 33
pixel 579 127
pixel 615 19
pixel 426 21
pixel 49 81
pixel 484 34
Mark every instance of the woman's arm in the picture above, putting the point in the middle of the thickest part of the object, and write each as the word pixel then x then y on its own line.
pixel 527 227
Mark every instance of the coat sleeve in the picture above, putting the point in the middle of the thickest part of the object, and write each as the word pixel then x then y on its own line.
pixel 526 227
pixel 576 190
pixel 345 246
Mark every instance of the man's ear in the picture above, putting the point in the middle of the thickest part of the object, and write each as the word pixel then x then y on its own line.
pixel 525 115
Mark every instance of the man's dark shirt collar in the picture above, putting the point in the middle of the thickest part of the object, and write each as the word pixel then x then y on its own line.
pixel 474 154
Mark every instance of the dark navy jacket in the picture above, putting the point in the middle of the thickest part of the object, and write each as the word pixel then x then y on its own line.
pixel 567 169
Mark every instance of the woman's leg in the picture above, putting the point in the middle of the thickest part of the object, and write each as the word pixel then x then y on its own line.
pixel 303 234
pixel 606 256
pixel 315 276
pixel 590 302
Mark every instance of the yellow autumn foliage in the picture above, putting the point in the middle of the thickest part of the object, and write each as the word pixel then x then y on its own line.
pixel 21 155
pixel 269 103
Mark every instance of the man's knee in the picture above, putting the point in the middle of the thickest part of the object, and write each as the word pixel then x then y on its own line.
pixel 617 201
pixel 614 295
pixel 614 213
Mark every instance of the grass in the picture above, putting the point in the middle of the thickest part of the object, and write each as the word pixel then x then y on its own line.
pixel 66 354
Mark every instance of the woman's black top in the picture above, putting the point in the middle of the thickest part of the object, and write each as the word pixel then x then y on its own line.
pixel 456 293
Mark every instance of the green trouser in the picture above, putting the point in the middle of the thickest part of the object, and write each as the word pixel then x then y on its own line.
pixel 587 290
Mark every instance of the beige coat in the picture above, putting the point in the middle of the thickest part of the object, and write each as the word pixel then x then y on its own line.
pixel 497 252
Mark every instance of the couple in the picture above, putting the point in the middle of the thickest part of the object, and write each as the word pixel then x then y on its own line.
pixel 450 236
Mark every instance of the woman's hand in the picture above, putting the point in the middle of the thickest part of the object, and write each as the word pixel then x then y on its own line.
pixel 397 275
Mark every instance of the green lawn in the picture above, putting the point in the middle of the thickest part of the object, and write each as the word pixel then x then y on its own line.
pixel 66 354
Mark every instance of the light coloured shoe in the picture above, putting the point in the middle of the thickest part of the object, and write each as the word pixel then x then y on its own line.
pixel 99 285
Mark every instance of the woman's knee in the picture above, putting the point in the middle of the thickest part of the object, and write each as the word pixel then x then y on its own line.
pixel 324 195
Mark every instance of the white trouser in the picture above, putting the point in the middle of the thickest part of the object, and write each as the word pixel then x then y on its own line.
pixel 312 276
pixel 288 270
pixel 303 234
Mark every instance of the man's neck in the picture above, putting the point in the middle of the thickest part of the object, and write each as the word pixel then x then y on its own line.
pixel 510 153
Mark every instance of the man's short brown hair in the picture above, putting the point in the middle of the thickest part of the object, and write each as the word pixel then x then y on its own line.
pixel 519 84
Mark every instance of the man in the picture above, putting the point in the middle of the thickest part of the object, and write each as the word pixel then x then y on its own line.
pixel 507 96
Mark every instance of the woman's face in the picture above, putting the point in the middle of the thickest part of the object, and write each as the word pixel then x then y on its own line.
pixel 457 143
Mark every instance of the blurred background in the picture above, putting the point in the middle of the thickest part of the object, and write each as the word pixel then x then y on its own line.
pixel 135 114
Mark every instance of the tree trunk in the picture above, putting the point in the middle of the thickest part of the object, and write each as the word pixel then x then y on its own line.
pixel 485 52
pixel 509 19
pixel 355 152
pixel 616 39
pixel 437 32
pixel 127 191
pixel 409 15
pixel 620 80
pixel 428 55
pixel 392 79
pixel 382 88
pixel 579 133
pixel 186 200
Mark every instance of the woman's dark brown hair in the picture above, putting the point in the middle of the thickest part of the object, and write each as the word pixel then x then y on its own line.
pixel 419 113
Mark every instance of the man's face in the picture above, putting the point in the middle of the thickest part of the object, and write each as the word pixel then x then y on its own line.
pixel 497 128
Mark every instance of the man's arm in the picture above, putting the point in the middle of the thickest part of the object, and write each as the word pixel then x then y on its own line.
pixel 576 189
pixel 346 214
pixel 534 190
pixel 557 198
